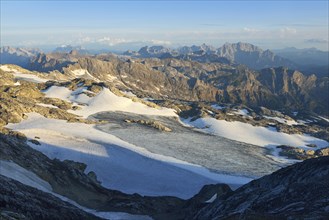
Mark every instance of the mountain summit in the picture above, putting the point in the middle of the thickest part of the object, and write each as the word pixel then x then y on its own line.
pixel 252 56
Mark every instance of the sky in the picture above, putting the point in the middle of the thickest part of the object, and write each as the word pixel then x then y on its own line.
pixel 131 24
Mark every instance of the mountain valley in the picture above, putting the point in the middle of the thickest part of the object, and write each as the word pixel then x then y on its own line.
pixel 192 133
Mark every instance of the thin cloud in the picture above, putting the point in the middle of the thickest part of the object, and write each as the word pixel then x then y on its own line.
pixel 161 42
pixel 250 30
pixel 287 31
pixel 316 41
pixel 213 25
pixel 299 25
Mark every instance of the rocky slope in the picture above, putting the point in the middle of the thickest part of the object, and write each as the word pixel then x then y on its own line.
pixel 19 201
pixel 299 191
pixel 276 88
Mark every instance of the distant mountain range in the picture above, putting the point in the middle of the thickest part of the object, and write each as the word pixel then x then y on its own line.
pixel 309 61
pixel 18 56
pixel 309 56
pixel 239 53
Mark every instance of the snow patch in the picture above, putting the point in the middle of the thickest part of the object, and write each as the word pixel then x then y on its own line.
pixel 213 198
pixel 47 105
pixel 247 133
pixel 129 93
pixel 7 68
pixel 104 101
pixel 217 107
pixel 326 119
pixel 22 76
pixel 58 92
pixel 282 120
pixel 80 72
pixel 243 112
pixel 111 78
pixel 29 77
pixel 85 73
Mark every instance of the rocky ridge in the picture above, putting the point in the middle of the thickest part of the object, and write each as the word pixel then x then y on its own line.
pixel 275 88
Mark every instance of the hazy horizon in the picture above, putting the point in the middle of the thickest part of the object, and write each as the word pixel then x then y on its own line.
pixel 132 24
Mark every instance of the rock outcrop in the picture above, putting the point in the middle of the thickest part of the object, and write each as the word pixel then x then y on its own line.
pixel 299 191
pixel 301 154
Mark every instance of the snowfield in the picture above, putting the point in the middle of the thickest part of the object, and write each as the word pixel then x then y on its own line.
pixel 104 101
pixel 260 136
pixel 29 77
pixel 118 164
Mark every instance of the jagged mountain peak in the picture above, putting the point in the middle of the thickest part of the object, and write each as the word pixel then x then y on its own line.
pixel 252 56
pixel 149 51
pixel 241 46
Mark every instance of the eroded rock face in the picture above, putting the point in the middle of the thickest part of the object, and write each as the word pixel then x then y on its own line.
pixel 301 154
pixel 299 191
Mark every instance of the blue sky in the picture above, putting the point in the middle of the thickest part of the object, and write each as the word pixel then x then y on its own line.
pixel 269 24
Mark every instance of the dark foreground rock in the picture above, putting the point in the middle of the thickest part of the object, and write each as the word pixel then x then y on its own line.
pixel 18 201
pixel 300 191
pixel 68 179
